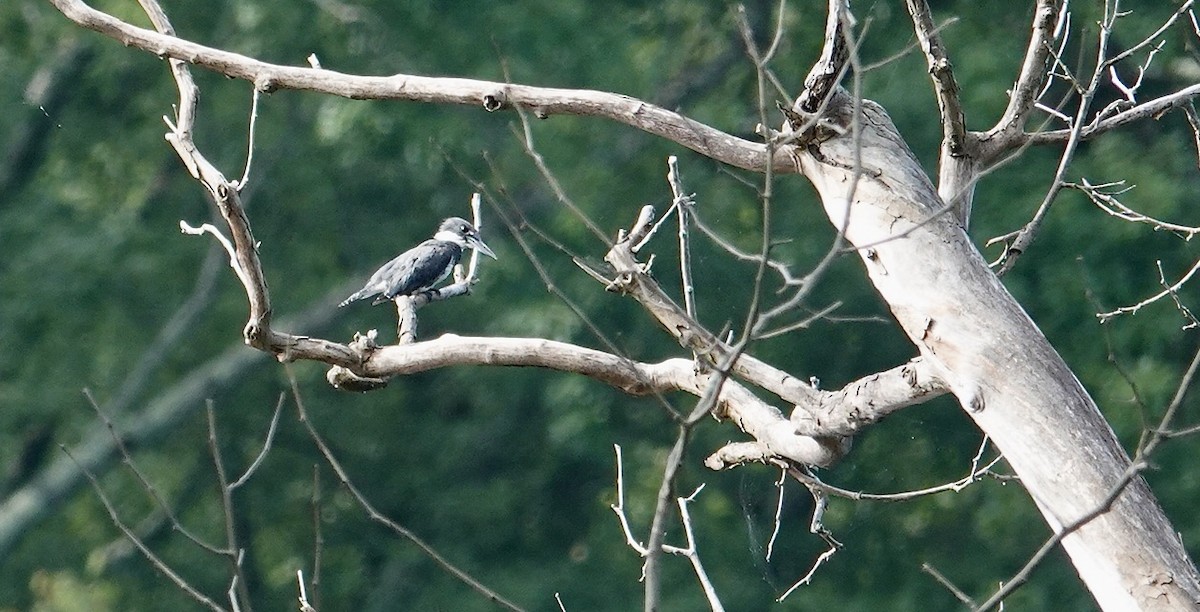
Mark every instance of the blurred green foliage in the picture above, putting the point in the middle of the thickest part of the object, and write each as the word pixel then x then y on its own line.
pixel 509 472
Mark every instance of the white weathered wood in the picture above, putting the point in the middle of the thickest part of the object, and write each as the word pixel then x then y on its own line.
pixel 998 364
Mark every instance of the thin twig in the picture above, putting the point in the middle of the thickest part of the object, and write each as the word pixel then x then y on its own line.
pixel 781 268
pixel 1027 233
pixel 683 202
pixel 1189 112
pixel 242 275
pixel 318 538
pixel 817 527
pixel 619 507
pixel 525 137
pixel 380 518
pixel 693 555
pixel 1167 290
pixel 1149 39
pixel 801 324
pixel 266 445
pixel 232 591
pixel 146 485
pixel 305 606
pixel 154 560
pixel 240 185
pixel 778 523
pixel 1107 201
pixel 689 550
pixel 976 474
pixel 950 586
pixel 231 536
pixel 777 38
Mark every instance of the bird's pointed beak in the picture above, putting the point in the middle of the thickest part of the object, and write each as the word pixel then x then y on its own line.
pixel 476 243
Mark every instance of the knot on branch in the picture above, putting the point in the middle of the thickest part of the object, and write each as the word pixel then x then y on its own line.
pixel 254 335
pixel 819 452
pixel 622 283
pixel 345 379
pixel 265 83
pixel 495 101
pixel 811 127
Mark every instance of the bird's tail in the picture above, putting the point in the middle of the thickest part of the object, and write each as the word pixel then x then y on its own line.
pixel 358 295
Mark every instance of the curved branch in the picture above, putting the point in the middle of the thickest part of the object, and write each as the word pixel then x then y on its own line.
pixel 1152 109
pixel 1029 83
pixel 868 400
pixel 160 413
pixel 954 128
pixel 822 80
pixel 957 167
pixel 762 421
pixel 632 279
pixel 490 95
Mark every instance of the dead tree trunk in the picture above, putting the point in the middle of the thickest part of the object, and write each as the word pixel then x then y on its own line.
pixel 997 363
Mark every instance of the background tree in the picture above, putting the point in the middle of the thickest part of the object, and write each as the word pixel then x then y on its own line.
pixel 519 450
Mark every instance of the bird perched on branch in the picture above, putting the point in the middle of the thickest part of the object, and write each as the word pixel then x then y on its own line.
pixel 423 266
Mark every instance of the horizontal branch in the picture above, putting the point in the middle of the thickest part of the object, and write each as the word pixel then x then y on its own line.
pixel 769 427
pixel 490 95
pixel 867 400
pixel 1152 109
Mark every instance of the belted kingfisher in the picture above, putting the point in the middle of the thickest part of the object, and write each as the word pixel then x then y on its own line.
pixel 423 266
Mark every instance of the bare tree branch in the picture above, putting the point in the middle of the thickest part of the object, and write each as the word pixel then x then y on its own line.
pixel 47 489
pixel 1026 234
pixel 1010 128
pixel 823 79
pixel 148 486
pixel 489 95
pixel 1150 109
pixel 232 542
pixel 816 527
pixel 1156 583
pixel 379 517
pixel 318 542
pixel 956 165
pixel 945 582
pixel 1104 196
pixel 154 559
pixel 689 550
pixel 847 411
pixel 945 86
pixel 266 446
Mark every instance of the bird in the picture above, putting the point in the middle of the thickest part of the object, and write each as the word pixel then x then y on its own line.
pixel 423 266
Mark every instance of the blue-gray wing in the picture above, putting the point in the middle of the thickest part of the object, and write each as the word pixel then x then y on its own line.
pixel 414 270
pixel 419 268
